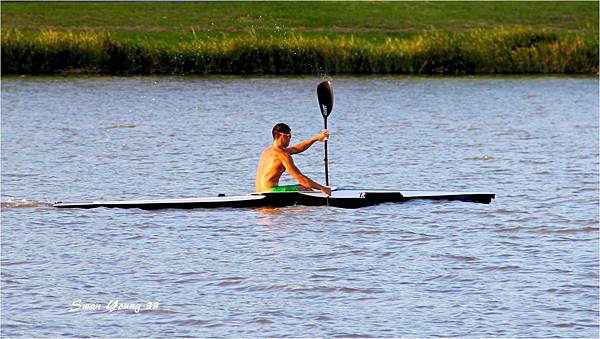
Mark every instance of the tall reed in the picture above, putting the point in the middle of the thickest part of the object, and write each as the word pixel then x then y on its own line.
pixel 480 52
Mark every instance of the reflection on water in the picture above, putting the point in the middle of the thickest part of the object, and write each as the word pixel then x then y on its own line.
pixel 524 266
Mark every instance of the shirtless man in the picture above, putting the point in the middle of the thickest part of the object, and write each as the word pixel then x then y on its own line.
pixel 277 158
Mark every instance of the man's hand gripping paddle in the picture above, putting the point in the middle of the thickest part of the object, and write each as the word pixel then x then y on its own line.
pixel 325 95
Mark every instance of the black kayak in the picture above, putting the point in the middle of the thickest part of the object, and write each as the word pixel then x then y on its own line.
pixel 343 197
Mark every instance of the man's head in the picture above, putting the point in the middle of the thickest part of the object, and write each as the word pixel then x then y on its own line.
pixel 283 131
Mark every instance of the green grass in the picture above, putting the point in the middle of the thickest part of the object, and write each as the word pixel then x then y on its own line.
pixel 300 37
pixel 340 17
pixel 477 52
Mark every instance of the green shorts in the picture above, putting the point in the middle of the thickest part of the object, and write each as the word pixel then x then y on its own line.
pixel 287 188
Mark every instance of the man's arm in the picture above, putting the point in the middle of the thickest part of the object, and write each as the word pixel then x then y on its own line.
pixel 302 179
pixel 303 146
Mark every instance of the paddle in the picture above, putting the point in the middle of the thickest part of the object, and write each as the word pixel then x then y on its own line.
pixel 325 95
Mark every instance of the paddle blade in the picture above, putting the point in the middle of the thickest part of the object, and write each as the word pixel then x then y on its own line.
pixel 325 95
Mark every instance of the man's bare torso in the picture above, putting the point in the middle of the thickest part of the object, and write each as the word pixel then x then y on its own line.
pixel 277 159
pixel 270 168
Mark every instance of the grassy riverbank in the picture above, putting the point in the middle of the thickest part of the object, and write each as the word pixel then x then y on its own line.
pixel 479 52
pixel 300 38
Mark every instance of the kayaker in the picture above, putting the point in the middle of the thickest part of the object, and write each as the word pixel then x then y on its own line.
pixel 277 158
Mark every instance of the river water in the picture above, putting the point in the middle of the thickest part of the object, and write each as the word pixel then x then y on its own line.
pixel 524 266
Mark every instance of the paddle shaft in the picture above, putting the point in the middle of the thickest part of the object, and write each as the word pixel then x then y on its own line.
pixel 326 160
